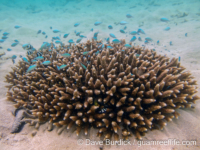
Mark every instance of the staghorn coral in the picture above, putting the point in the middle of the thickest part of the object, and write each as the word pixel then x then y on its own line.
pixel 118 90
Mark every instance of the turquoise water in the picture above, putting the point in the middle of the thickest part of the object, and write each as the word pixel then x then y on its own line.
pixel 63 14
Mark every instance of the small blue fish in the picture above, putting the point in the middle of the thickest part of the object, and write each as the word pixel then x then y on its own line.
pixel 85 53
pixel 109 47
pixel 66 55
pixel 82 36
pixel 129 16
pixel 62 66
pixel 43 33
pixel 76 24
pixel 16 41
pixel 179 58
pixel 91 30
pixel 125 27
pixel 185 34
pixel 164 19
pixel 167 29
pixel 65 35
pixel 57 37
pixel 58 68
pixel 56 30
pixel 5 33
pixel 46 36
pixel 25 45
pixel 110 27
pixel 139 38
pixel 13 61
pixel 78 33
pixel 14 57
pixel 116 41
pixel 141 31
pixel 78 40
pixel 4 37
pixel 25 59
pixel 148 39
pixel 95 34
pixel 122 31
pixel 133 32
pixel 170 43
pixel 97 23
pixel 46 62
pixel 153 49
pixel 50 27
pixel 32 67
pixel 39 31
pixel 71 41
pixel 83 66
pixel 158 42
pixel 112 35
pixel 137 55
pixel 145 42
pixel 20 56
pixel 108 39
pixel 123 22
pixel 58 42
pixel 95 38
pixel 1 40
pixel 17 27
pixel 39 58
pixel 43 45
pixel 127 45
pixel 8 49
pixel 133 39
pixel 14 44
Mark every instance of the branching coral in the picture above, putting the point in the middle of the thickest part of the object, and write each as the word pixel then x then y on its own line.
pixel 116 90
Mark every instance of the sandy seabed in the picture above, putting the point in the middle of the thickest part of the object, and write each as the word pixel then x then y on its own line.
pixel 186 128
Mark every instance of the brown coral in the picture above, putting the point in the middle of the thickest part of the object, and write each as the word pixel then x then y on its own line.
pixel 127 89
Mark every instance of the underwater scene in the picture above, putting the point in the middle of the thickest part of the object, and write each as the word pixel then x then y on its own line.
pixel 99 74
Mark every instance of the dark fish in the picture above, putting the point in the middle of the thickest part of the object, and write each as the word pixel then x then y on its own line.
pixel 8 49
pixel 46 36
pixel 50 27
pixel 39 54
pixel 43 33
pixel 29 52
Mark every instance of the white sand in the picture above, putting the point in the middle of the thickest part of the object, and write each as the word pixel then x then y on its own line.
pixel 187 127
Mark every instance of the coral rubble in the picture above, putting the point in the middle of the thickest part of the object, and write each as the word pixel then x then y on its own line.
pixel 117 90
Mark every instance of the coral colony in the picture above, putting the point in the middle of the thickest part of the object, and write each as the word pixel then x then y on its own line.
pixel 115 88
